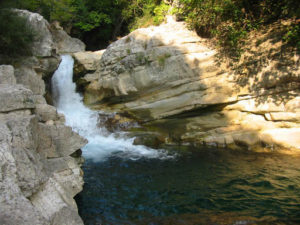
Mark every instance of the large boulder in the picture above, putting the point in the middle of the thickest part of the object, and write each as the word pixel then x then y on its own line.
pixel 171 80
pixel 50 38
pixel 59 139
pixel 30 79
pixel 64 43
pixel 162 71
pixel 15 97
pixel 86 62
pixel 15 208
pixel 7 75
pixel 43 44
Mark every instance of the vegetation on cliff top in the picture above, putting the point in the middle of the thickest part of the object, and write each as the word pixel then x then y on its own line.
pixel 230 20
pixel 16 35
pixel 97 22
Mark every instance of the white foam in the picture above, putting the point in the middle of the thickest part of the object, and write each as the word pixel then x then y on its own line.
pixel 84 121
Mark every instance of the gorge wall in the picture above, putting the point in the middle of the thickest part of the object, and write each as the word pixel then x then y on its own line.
pixel 39 156
pixel 179 87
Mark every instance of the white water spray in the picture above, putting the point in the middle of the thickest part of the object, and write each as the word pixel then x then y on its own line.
pixel 84 121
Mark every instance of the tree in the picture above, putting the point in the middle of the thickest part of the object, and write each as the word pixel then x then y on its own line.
pixel 16 35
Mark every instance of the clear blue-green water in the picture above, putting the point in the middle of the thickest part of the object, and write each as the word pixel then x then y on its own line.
pixel 205 186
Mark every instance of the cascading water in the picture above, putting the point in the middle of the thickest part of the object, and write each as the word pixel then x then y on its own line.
pixel 84 121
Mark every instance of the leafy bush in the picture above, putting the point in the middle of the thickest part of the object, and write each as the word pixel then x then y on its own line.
pixel 230 38
pixel 152 13
pixel 16 35
pixel 160 12
pixel 292 35
pixel 230 20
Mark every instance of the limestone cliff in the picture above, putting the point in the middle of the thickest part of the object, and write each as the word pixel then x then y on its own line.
pixel 39 156
pixel 174 82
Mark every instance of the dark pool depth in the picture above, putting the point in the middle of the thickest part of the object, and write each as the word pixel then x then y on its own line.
pixel 204 187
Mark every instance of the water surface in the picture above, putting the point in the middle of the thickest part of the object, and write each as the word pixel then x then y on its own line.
pixel 204 187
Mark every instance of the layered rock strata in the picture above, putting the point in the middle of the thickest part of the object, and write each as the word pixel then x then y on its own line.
pixel 39 173
pixel 38 178
pixel 86 64
pixel 172 81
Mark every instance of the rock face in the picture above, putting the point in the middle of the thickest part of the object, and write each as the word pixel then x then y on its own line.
pixel 86 63
pixel 65 43
pixel 39 162
pixel 43 44
pixel 50 41
pixel 171 80
pixel 38 177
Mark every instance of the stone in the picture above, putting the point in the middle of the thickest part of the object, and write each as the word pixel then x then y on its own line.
pixel 24 149
pixel 67 182
pixel 93 93
pixel 34 189
pixel 39 100
pixel 64 43
pixel 47 66
pixel 7 75
pixel 22 175
pixel 43 44
pixel 15 208
pixel 38 177
pixel 283 116
pixel 15 114
pixel 293 105
pixel 157 75
pixel 87 61
pixel 15 97
pixel 46 112
pixel 30 79
pixel 287 138
pixel 58 140
pixel 173 82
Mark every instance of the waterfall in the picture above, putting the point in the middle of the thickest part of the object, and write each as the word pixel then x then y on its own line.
pixel 84 121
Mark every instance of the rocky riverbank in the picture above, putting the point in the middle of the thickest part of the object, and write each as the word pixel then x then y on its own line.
pixel 40 157
pixel 180 87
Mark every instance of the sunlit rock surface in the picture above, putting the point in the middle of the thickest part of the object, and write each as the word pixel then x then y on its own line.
pixel 175 82
pixel 85 65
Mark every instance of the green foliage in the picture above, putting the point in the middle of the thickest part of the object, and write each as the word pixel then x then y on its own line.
pixel 150 13
pixel 97 22
pixel 230 38
pixel 292 35
pixel 160 12
pixel 16 35
pixel 162 59
pixel 60 10
pixel 93 20
pixel 230 20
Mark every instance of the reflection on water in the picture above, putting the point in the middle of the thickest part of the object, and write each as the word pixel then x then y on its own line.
pixel 204 187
